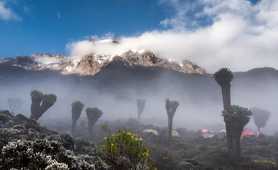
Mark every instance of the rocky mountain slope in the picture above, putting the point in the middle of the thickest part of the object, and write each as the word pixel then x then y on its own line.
pixel 93 64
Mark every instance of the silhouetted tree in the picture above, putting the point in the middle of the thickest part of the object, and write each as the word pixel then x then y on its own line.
pixel 171 107
pixel 41 103
pixel 235 118
pixel 140 107
pixel 93 114
pixel 76 109
pixel 260 117
pixel 224 77
pixel 36 97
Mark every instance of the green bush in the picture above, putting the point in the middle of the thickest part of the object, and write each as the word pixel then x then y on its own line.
pixel 126 150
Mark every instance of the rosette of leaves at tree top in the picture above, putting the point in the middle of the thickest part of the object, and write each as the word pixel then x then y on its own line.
pixel 224 78
pixel 237 115
pixel 41 103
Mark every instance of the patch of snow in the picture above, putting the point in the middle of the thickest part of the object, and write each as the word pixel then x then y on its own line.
pixel 69 68
pixel 103 58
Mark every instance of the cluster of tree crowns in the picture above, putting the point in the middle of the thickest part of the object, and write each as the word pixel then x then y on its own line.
pixel 42 102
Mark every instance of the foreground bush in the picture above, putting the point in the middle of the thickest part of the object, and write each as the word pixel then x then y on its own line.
pixel 44 154
pixel 125 150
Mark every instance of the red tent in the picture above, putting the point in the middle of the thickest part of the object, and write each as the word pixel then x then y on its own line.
pixel 248 133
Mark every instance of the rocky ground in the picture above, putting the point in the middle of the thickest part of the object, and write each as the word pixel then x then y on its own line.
pixel 25 144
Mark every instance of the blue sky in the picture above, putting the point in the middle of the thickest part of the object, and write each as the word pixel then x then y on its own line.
pixel 48 25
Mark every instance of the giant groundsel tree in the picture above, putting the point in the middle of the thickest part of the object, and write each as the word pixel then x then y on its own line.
pixel 76 110
pixel 93 114
pixel 171 107
pixel 260 117
pixel 235 117
pixel 41 103
pixel 141 103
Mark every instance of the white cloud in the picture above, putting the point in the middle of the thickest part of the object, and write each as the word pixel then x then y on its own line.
pixel 6 13
pixel 241 36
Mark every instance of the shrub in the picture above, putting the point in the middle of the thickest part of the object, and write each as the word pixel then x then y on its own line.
pixel 126 150
pixel 45 154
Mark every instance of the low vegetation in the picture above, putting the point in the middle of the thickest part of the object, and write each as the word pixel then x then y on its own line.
pixel 126 150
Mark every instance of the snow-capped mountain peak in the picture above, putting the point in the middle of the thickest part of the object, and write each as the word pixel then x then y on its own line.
pixel 94 63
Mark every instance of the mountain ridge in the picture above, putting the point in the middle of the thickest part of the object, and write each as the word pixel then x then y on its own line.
pixel 94 63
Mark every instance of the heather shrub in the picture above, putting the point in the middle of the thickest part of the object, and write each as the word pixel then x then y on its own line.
pixel 45 154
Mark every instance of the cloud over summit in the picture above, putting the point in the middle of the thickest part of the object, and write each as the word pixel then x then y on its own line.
pixel 212 33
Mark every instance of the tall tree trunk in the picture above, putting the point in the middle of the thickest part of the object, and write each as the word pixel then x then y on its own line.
pixel 236 146
pixel 226 95
pixel 233 142
pixel 229 137
pixel 234 131
pixel 170 127
pixel 35 109
pixel 73 127
pixel 90 130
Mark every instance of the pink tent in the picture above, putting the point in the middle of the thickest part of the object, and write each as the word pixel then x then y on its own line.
pixel 248 133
